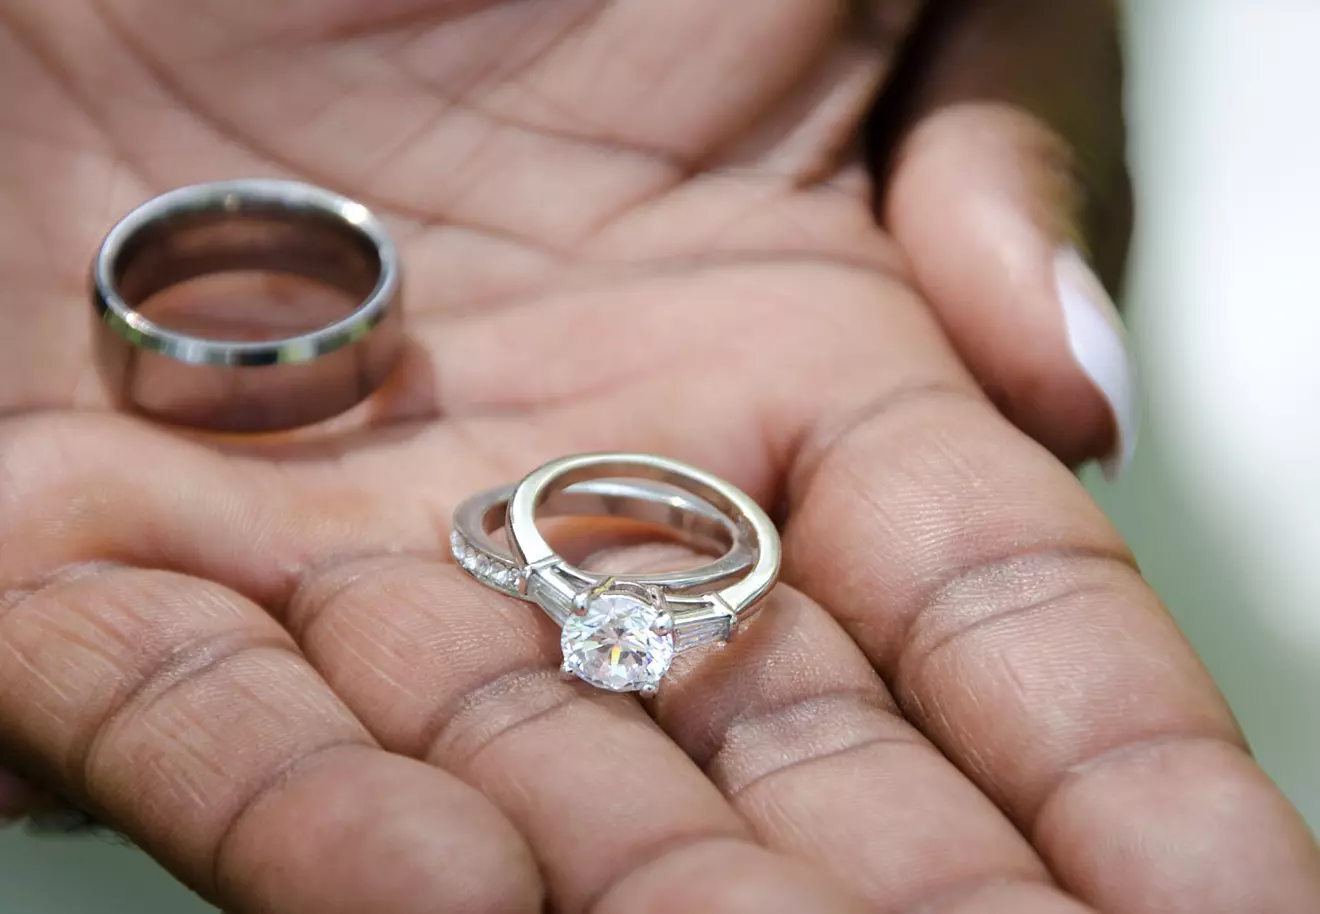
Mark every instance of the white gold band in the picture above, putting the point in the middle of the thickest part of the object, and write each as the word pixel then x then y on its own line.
pixel 693 522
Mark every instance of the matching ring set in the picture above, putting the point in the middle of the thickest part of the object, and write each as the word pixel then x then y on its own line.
pixel 619 632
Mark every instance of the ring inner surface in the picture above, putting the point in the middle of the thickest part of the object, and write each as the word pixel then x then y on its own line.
pixel 310 244
pixel 712 534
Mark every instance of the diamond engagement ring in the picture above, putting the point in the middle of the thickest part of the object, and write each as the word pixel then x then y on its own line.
pixel 621 632
pixel 247 384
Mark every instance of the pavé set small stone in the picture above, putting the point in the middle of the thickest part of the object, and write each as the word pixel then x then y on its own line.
pixel 621 632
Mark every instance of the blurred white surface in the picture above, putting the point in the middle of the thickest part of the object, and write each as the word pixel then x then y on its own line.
pixel 1223 502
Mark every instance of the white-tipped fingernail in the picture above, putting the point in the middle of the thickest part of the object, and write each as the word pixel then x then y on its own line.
pixel 1099 346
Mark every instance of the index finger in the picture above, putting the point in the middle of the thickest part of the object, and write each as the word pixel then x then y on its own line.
pixel 1017 633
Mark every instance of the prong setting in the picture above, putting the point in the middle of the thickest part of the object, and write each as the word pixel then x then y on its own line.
pixel 619 637
pixel 580 601
pixel 656 595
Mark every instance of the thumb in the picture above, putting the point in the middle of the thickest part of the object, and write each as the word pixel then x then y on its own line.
pixel 1004 145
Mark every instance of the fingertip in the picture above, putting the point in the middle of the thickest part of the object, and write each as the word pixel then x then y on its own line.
pixel 1193 823
pixel 1004 156
pixel 981 214
pixel 725 876
pixel 371 831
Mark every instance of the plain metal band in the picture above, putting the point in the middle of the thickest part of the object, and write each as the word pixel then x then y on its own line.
pixel 694 521
pixel 280 226
pixel 740 597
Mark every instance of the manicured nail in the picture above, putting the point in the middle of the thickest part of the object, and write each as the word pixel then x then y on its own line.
pixel 1099 346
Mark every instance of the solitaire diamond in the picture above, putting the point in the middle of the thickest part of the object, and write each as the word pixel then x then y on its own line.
pixel 620 643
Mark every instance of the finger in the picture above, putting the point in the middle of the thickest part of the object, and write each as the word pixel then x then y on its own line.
pixel 1007 188
pixel 468 679
pixel 793 726
pixel 1007 616
pixel 181 713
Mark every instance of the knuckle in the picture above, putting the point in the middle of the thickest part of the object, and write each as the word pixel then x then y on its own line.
pixel 490 711
pixel 192 665
pixel 450 712
pixel 1010 590
pixel 337 582
pixel 95 649
pixel 360 807
pixel 955 495
pixel 1205 762
pixel 833 440
pixel 773 741
pixel 677 851
pixel 224 875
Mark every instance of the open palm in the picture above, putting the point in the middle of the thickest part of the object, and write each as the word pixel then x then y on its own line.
pixel 640 226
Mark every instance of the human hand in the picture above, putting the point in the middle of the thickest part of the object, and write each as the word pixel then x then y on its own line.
pixel 230 649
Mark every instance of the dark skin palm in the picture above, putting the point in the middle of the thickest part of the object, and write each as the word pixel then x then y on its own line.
pixel 632 225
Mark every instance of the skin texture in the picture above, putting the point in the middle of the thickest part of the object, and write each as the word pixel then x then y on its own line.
pixel 631 225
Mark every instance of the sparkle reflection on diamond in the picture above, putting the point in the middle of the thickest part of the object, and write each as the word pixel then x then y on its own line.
pixel 615 644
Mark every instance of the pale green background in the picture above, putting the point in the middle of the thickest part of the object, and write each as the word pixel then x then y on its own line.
pixel 1220 503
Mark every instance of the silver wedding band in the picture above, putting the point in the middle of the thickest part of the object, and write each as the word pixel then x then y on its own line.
pixel 234 384
pixel 690 521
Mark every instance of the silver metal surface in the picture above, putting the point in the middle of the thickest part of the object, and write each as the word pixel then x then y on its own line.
pixel 692 521
pixel 246 384
pixel 699 618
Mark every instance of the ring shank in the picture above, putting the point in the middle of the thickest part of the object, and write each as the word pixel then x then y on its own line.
pixel 652 469
pixel 692 521
pixel 243 384
pixel 697 523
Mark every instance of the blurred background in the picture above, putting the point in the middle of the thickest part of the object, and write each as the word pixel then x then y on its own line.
pixel 1222 505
